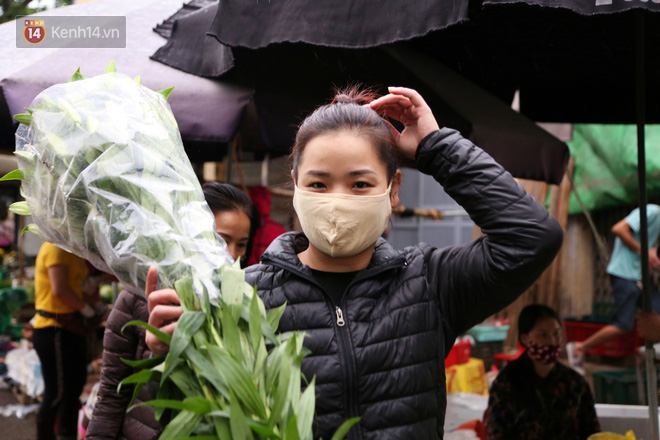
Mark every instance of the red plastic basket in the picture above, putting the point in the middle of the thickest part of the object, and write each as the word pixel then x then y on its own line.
pixel 459 354
pixel 621 346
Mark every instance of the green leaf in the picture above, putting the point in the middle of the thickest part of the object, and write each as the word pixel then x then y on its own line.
pixel 144 363
pixel 255 324
pixel 32 227
pixel 274 316
pixel 185 382
pixel 187 325
pixel 137 79
pixel 237 420
pixel 232 284
pixel 222 429
pixel 163 337
pixel 77 76
pixel 23 118
pixel 13 175
pixel 181 426
pixel 198 405
pixel 292 429
pixel 166 92
pixel 20 208
pixel 143 376
pixel 111 68
pixel 230 336
pixel 344 428
pixel 199 437
pixel 136 392
pixel 239 378
pixel 305 411
pixel 207 370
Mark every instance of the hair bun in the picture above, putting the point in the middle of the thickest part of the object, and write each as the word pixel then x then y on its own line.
pixel 354 95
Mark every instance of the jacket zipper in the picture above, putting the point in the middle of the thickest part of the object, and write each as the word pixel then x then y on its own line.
pixel 343 331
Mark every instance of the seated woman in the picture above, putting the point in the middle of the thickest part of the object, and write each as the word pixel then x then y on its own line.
pixel 536 397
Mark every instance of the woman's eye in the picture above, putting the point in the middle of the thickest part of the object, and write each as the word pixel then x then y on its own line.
pixel 361 185
pixel 317 185
pixel 241 245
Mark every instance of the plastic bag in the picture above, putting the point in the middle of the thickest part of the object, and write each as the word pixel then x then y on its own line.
pixel 106 177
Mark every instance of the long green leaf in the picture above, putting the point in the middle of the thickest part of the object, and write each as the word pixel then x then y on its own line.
pixel 143 376
pixel 344 428
pixel 163 403
pixel 230 334
pixel 237 420
pixel 163 337
pixel 207 370
pixel 181 426
pixel 13 175
pixel 240 380
pixel 256 336
pixel 305 411
pixel 144 363
pixel 188 324
pixel 274 316
pixel 292 429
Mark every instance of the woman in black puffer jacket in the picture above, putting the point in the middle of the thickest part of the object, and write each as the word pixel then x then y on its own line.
pixel 379 322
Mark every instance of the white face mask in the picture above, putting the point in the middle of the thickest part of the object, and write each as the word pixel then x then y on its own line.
pixel 342 225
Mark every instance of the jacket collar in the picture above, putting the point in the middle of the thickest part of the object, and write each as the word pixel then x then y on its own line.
pixel 284 252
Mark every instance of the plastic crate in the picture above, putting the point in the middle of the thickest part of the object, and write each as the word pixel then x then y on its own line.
pixel 459 354
pixel 488 333
pixel 621 346
pixel 469 378
pixel 617 387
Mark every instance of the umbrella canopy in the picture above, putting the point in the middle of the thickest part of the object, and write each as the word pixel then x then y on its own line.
pixel 291 79
pixel 208 112
pixel 337 23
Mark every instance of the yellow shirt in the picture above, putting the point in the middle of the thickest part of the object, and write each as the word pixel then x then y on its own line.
pixel 50 255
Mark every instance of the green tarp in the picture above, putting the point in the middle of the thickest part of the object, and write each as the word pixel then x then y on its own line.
pixel 606 165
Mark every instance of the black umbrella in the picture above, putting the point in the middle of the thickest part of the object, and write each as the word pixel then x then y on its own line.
pixel 290 79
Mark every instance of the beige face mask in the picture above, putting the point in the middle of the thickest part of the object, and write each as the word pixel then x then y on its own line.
pixel 342 225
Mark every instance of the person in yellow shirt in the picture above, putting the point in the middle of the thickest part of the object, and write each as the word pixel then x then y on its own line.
pixel 59 281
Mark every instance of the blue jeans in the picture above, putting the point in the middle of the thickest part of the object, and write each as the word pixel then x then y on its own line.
pixel 627 298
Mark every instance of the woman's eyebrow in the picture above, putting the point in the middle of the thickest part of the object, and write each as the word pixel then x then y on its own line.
pixel 361 172
pixel 317 173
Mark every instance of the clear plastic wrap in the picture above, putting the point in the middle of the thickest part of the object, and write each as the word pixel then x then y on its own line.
pixel 106 178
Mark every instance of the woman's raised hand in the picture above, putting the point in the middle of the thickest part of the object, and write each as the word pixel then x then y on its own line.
pixel 162 312
pixel 408 107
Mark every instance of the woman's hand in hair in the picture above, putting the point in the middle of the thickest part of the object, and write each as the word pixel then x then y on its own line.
pixel 163 312
pixel 408 107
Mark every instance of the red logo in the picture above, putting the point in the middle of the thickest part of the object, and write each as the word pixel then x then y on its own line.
pixel 34 31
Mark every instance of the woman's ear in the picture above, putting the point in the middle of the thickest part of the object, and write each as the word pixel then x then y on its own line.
pixel 293 178
pixel 394 191
pixel 524 340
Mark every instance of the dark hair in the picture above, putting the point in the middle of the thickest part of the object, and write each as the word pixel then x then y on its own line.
pixel 532 314
pixel 348 113
pixel 223 197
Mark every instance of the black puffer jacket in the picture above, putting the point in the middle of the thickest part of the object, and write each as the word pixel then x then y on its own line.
pixel 109 419
pixel 403 312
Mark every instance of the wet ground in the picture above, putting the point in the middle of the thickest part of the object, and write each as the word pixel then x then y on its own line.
pixel 13 428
